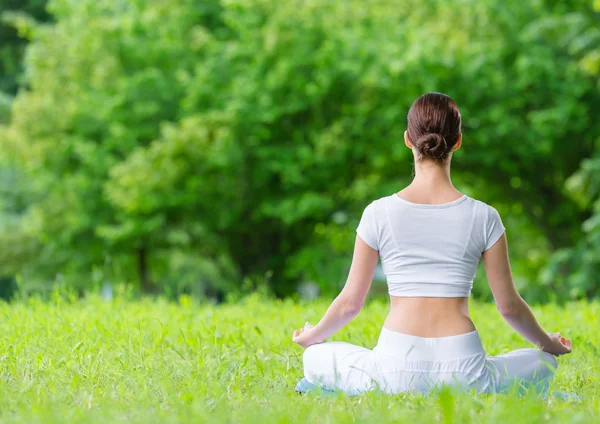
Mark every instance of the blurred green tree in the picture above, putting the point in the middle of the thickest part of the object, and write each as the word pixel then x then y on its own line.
pixel 577 267
pixel 12 43
pixel 252 134
pixel 116 72
pixel 16 245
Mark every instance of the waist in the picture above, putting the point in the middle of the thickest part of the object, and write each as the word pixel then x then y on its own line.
pixel 429 317
pixel 417 348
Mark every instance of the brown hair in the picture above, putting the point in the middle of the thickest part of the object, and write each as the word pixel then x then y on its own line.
pixel 434 126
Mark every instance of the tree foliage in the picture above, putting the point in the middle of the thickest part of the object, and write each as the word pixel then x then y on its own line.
pixel 251 134
pixel 17 245
pixel 577 266
pixel 13 38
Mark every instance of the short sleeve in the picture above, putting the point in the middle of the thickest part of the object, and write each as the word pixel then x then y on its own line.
pixel 367 229
pixel 494 228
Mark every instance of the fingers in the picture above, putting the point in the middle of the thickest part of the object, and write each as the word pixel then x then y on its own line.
pixel 563 340
pixel 566 343
pixel 297 333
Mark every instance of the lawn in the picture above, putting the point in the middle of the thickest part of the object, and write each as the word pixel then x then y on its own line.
pixel 158 361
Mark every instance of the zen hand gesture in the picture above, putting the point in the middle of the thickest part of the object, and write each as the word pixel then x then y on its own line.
pixel 558 345
pixel 304 336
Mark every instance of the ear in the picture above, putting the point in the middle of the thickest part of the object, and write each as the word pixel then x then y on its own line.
pixel 458 144
pixel 407 141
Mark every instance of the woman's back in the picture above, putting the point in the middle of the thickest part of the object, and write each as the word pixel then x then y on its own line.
pixel 429 254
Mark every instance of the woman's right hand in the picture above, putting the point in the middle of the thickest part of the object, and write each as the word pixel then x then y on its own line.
pixel 557 345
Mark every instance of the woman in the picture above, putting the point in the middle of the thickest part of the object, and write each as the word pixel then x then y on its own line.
pixel 430 238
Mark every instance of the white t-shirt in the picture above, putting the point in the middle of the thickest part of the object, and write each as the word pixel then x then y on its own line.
pixel 430 250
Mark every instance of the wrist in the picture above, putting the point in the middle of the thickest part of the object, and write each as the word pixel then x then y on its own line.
pixel 317 335
pixel 544 342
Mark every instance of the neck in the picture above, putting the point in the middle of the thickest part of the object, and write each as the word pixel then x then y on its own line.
pixel 430 174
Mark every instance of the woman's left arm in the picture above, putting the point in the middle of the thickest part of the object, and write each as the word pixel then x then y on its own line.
pixel 349 302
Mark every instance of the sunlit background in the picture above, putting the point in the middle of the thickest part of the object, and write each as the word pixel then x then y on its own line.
pixel 213 148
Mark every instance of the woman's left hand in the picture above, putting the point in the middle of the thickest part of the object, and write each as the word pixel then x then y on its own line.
pixel 303 336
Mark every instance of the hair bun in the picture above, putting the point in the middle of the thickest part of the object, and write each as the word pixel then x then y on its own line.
pixel 432 145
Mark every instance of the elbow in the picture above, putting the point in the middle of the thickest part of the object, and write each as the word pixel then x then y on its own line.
pixel 351 308
pixel 510 309
pixel 507 312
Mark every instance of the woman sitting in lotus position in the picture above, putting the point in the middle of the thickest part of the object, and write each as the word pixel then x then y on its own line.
pixel 430 238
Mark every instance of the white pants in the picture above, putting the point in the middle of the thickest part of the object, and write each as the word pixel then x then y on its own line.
pixel 402 363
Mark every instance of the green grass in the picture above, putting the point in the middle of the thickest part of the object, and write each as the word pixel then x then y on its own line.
pixel 154 361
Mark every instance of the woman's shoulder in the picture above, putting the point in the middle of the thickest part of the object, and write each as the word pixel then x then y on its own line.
pixel 379 203
pixel 481 203
pixel 483 209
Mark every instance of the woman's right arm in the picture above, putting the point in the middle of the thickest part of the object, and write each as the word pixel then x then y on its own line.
pixel 511 305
